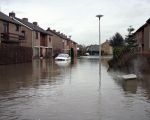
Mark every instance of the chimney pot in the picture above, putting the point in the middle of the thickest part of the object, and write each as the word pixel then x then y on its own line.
pixel 12 14
pixel 25 19
pixel 35 23
pixel 48 29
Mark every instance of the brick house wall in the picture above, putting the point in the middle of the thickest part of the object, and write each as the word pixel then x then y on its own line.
pixel 14 48
pixel 57 43
pixel 27 42
pixel 106 48
pixel 14 54
pixel 142 36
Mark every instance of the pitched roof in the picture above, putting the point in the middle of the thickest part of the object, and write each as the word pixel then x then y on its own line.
pixel 4 17
pixel 148 21
pixel 143 26
pixel 60 35
pixel 32 26
pixel 57 33
pixel 106 42
pixel 93 48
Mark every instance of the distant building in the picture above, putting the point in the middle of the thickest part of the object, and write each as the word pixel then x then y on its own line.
pixel 61 43
pixel 93 49
pixel 142 36
pixel 106 49
pixel 57 43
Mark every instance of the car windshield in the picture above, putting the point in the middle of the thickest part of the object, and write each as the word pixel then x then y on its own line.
pixel 63 55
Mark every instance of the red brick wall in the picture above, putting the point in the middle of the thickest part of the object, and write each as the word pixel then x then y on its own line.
pixel 14 54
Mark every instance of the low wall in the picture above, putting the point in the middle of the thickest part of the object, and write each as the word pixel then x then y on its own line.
pixel 10 54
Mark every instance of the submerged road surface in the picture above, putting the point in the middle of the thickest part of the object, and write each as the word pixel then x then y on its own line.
pixel 44 90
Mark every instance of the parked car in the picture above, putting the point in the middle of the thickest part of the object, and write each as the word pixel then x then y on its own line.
pixel 62 57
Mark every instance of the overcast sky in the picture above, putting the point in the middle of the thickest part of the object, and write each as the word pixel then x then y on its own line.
pixel 77 17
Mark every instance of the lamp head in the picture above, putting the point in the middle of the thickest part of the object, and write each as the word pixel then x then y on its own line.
pixel 99 16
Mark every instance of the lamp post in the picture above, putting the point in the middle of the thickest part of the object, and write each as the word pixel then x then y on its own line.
pixel 99 17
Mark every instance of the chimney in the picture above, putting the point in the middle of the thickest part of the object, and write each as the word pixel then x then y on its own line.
pixel 35 23
pixel 12 14
pixel 148 21
pixel 70 37
pixel 48 29
pixel 25 19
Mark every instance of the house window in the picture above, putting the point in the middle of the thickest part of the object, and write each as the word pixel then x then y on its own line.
pixel 50 39
pixel 23 33
pixel 142 46
pixel 67 42
pixel 17 27
pixel 36 35
pixel 5 25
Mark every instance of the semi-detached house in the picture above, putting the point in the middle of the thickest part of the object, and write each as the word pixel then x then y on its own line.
pixel 39 39
pixel 13 45
pixel 142 36
pixel 61 43
pixel 10 30
pixel 30 40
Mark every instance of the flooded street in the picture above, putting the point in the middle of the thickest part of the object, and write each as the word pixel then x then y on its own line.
pixel 44 90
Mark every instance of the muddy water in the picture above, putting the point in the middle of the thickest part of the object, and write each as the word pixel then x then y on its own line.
pixel 44 90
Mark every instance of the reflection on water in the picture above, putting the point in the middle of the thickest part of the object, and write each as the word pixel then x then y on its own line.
pixel 48 91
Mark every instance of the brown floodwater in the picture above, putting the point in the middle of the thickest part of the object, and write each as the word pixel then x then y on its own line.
pixel 43 90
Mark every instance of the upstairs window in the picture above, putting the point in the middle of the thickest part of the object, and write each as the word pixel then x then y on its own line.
pixel 23 33
pixel 17 27
pixel 36 35
pixel 50 39
pixel 5 26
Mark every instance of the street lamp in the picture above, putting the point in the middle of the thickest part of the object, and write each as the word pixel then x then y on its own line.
pixel 99 17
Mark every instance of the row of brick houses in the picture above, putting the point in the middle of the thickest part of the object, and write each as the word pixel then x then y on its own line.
pixel 61 43
pixel 142 36
pixel 106 49
pixel 20 32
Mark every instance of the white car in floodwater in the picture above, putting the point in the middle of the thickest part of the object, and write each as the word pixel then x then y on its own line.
pixel 62 58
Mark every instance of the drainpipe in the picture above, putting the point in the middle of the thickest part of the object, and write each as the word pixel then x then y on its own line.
pixel 52 45
pixel 0 38
pixel 39 52
pixel 149 35
pixel 33 44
